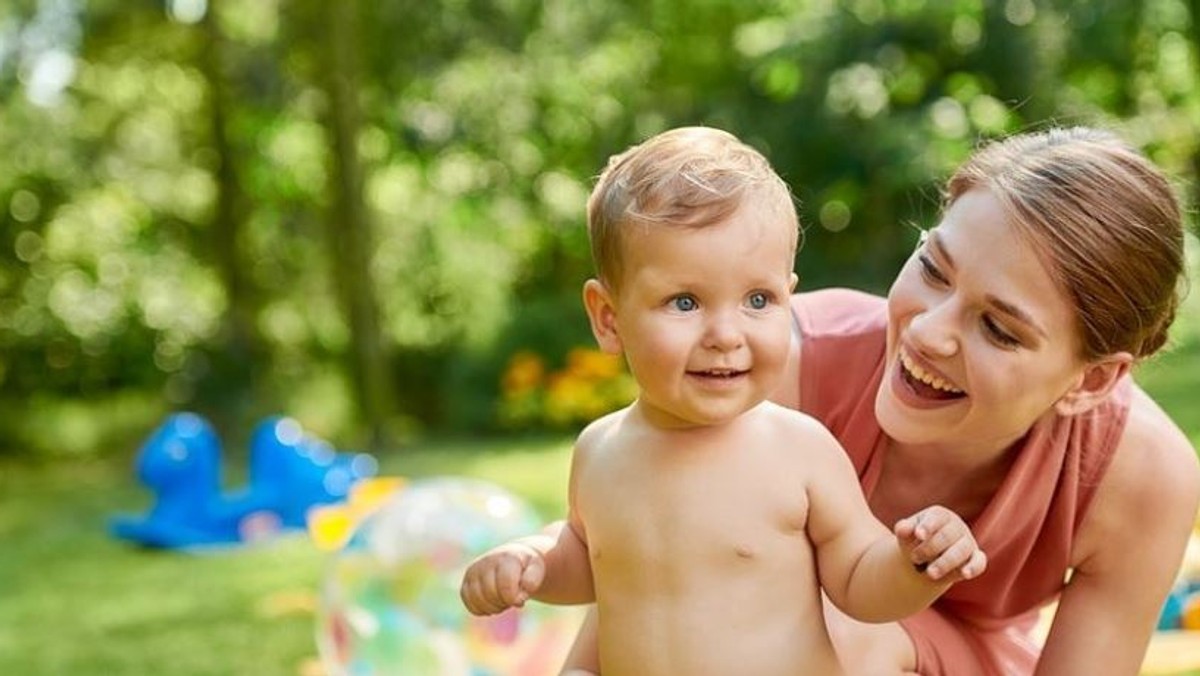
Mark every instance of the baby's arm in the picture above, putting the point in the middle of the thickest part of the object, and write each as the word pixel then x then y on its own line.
pixel 551 566
pixel 869 573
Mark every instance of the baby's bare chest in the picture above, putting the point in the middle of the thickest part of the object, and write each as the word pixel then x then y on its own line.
pixel 682 517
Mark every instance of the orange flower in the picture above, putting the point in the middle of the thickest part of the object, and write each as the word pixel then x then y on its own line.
pixel 589 385
pixel 593 364
pixel 524 373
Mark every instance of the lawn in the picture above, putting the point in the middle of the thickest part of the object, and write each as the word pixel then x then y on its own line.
pixel 75 601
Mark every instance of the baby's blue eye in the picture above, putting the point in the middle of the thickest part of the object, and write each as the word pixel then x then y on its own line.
pixel 758 300
pixel 684 303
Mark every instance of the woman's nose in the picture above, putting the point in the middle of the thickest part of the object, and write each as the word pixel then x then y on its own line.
pixel 933 330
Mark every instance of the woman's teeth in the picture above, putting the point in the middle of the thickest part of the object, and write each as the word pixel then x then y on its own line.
pixel 924 376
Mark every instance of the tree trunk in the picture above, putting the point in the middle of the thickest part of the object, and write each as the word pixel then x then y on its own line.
pixel 237 360
pixel 348 225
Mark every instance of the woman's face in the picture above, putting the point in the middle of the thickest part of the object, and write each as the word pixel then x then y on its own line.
pixel 980 343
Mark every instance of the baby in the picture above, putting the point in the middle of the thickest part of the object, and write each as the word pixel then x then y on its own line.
pixel 704 520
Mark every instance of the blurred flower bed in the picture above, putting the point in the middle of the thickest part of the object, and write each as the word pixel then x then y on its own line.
pixel 589 384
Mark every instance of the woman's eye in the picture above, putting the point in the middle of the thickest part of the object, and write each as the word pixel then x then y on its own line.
pixel 998 334
pixel 758 300
pixel 684 303
pixel 930 271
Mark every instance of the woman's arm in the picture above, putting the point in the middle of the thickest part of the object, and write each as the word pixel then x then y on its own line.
pixel 1128 551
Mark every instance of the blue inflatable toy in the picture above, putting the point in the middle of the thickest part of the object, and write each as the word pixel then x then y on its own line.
pixel 290 472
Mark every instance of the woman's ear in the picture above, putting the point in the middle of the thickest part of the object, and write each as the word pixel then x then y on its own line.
pixel 602 314
pixel 1094 384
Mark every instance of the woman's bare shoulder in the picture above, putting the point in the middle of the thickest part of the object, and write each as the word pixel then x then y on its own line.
pixel 1153 450
pixel 1154 478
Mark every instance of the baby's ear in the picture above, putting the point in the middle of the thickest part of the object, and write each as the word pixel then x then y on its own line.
pixel 602 314
pixel 1094 384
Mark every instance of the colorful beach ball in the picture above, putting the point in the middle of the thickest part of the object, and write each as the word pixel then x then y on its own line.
pixel 389 600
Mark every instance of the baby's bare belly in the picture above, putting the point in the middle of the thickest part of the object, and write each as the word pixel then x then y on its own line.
pixel 741 627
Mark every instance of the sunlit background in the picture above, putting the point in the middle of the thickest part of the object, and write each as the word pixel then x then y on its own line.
pixel 369 216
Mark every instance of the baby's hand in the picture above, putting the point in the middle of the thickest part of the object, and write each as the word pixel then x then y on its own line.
pixel 940 544
pixel 502 578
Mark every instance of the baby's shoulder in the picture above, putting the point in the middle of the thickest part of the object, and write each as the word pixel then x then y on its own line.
pixel 799 433
pixel 786 419
pixel 599 432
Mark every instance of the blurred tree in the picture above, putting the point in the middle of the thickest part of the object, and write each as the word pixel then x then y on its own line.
pixel 348 226
pixel 357 213
pixel 241 354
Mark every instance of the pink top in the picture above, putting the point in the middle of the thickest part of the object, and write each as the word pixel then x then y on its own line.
pixel 1028 527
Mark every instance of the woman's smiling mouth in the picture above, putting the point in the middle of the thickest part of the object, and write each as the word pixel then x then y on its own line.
pixel 925 383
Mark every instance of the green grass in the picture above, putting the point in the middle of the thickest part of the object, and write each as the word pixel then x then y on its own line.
pixel 75 601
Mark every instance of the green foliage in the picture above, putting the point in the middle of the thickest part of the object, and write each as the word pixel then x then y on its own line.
pixel 1171 376
pixel 168 176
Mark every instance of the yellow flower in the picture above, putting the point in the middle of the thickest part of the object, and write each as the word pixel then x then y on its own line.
pixel 589 385
pixel 593 364
pixel 524 373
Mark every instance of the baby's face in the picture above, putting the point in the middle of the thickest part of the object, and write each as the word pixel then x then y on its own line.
pixel 703 315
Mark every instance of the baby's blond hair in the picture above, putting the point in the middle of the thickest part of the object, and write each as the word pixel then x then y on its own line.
pixel 688 177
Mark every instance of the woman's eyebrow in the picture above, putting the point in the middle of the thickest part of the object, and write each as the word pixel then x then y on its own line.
pixel 1016 313
pixel 935 241
pixel 1000 304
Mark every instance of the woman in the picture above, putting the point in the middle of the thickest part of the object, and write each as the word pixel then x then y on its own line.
pixel 994 380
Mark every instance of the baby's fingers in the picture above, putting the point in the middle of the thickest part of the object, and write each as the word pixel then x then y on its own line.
pixel 507 588
pixel 473 596
pixel 906 529
pixel 963 560
pixel 491 586
pixel 937 533
pixel 975 566
pixel 531 579
pixel 923 525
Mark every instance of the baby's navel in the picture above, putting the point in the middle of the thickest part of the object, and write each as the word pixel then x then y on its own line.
pixel 744 552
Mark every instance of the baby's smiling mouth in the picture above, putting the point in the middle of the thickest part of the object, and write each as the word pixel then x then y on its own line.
pixel 718 373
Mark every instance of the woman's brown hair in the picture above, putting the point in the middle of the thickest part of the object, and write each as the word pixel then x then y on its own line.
pixel 1106 221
